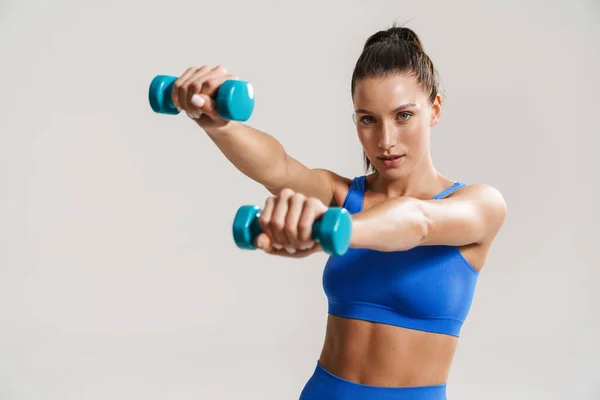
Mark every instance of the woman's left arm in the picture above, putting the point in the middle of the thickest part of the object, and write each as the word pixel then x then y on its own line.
pixel 471 215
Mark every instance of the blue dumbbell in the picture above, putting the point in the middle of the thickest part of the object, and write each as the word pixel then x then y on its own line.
pixel 235 99
pixel 332 230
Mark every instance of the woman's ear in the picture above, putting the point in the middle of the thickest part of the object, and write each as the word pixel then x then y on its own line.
pixel 436 111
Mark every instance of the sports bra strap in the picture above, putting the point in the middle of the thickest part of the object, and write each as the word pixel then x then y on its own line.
pixel 356 193
pixel 448 191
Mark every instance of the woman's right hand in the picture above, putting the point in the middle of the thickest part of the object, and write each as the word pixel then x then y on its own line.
pixel 193 93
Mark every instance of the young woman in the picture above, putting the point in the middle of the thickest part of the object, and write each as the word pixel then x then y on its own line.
pixel 400 295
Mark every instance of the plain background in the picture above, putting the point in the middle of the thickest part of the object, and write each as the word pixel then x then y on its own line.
pixel 119 276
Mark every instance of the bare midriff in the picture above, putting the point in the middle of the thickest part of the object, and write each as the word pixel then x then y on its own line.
pixel 383 355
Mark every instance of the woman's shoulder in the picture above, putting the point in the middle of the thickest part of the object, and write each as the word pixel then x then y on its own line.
pixel 481 191
pixel 484 200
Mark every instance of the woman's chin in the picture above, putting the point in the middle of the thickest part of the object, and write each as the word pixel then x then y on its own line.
pixel 391 173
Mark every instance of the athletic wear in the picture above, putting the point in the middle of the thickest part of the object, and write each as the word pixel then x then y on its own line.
pixel 427 288
pixel 323 385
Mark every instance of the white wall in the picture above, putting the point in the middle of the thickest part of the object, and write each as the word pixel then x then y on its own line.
pixel 119 277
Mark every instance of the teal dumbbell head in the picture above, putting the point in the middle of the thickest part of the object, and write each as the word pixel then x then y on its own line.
pixel 234 99
pixel 333 230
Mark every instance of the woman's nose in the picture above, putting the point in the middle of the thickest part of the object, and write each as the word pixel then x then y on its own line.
pixel 388 137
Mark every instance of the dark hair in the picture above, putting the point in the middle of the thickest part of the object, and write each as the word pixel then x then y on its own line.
pixel 397 50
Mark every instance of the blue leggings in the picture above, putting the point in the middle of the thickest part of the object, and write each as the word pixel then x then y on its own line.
pixel 323 385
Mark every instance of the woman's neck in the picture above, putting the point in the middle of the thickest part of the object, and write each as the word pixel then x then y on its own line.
pixel 424 181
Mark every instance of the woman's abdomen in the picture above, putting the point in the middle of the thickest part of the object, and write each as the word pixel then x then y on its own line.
pixel 384 355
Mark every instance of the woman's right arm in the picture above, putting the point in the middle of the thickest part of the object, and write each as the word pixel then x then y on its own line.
pixel 256 154
pixel 262 158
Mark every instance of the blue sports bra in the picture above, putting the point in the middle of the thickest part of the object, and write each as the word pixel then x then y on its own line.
pixel 427 288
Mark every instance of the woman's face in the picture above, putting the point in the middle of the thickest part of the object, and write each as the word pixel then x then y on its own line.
pixel 394 118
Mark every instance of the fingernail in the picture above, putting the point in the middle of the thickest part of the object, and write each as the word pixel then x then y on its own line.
pixel 277 246
pixel 307 246
pixel 290 250
pixel 197 100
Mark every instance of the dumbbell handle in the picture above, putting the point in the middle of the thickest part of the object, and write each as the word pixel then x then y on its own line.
pixel 333 230
pixel 234 98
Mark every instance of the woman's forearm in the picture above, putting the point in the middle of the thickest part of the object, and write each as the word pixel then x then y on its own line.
pixel 256 154
pixel 393 225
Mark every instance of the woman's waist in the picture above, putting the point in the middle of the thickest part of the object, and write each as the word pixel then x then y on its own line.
pixel 384 355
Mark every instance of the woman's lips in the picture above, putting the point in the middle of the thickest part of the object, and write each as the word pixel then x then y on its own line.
pixel 392 160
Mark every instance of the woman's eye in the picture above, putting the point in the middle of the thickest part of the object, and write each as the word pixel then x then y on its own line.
pixel 367 119
pixel 404 116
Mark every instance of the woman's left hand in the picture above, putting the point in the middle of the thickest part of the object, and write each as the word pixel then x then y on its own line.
pixel 286 223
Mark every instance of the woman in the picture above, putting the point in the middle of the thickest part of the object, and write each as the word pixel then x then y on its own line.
pixel 399 296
